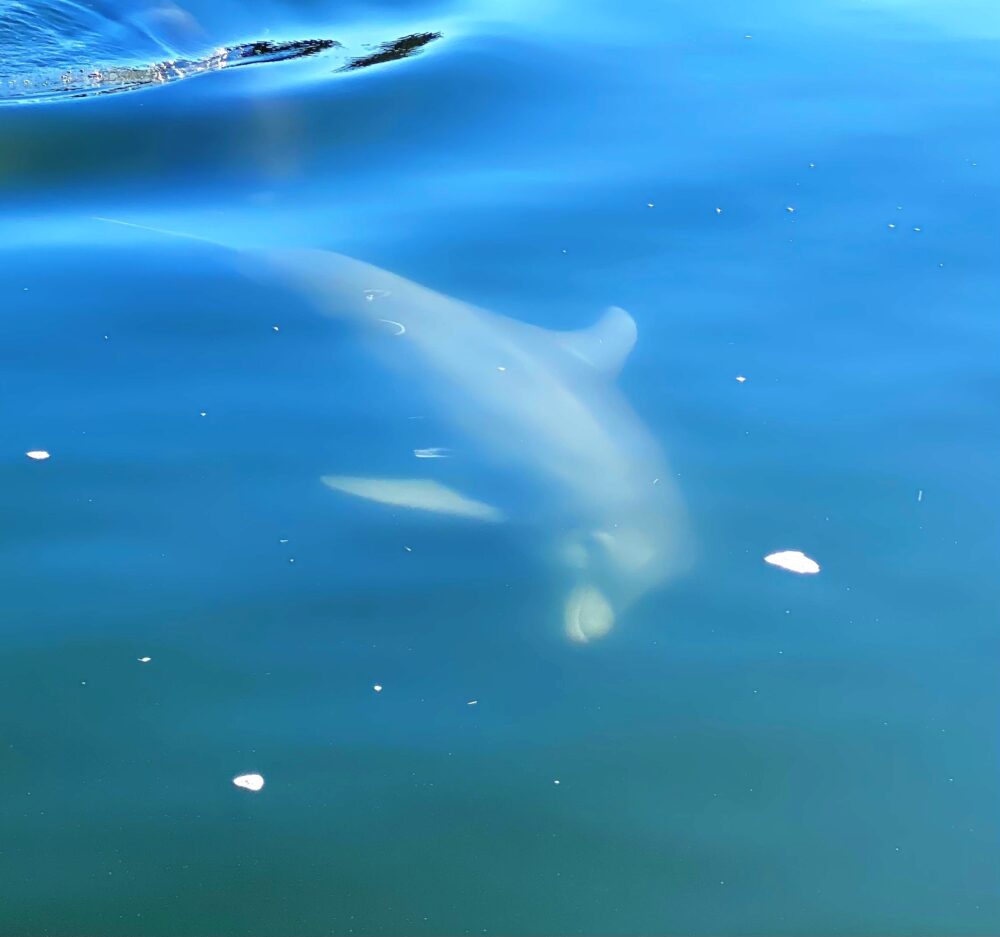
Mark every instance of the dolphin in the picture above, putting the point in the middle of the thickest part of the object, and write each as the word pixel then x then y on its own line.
pixel 543 403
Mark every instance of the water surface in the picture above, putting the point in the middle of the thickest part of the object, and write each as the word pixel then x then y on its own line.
pixel 804 196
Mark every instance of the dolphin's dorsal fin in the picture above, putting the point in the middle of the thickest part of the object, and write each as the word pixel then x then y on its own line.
pixel 606 344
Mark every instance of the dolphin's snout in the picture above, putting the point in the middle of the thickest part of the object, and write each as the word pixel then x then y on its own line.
pixel 588 615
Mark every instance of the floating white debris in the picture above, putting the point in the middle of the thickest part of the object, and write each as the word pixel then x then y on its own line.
pixel 793 560
pixel 202 413
pixel 500 367
pixel 741 378
pixel 39 455
pixel 891 226
pixel 472 702
pixel 377 688
pixel 718 211
pixel 556 781
pixel 650 205
pixel 812 165
pixel 917 230
pixel 282 541
pixel 249 782
pixel 408 549
pixel 144 660
pixel 790 209
pixel 433 452
pixel 276 329
pixel 920 494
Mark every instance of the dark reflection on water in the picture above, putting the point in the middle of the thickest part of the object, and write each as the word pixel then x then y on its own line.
pixel 51 50
pixel 391 51
pixel 82 82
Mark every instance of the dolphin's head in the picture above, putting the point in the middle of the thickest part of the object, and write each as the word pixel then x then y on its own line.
pixel 613 567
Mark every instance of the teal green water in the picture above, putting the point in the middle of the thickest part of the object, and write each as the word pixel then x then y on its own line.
pixel 804 197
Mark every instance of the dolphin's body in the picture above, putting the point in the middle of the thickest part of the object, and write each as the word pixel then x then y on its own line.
pixel 542 402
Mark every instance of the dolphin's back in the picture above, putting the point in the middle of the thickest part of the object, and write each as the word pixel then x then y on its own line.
pixel 548 395
pixel 341 286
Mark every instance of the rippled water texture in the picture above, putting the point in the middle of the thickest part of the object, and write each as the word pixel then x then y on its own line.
pixel 513 468
pixel 58 49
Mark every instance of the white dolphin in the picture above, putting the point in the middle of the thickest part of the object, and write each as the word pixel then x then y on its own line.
pixel 543 402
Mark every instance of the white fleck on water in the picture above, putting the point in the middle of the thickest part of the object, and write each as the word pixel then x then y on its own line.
pixel 795 561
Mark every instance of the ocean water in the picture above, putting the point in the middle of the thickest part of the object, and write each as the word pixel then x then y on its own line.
pixel 801 195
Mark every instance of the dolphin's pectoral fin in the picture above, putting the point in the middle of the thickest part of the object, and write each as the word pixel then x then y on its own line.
pixel 416 493
pixel 606 344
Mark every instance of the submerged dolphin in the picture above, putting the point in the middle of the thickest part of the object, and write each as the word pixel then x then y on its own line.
pixel 543 402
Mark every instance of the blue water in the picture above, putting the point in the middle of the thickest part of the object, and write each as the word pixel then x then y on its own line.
pixel 804 195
